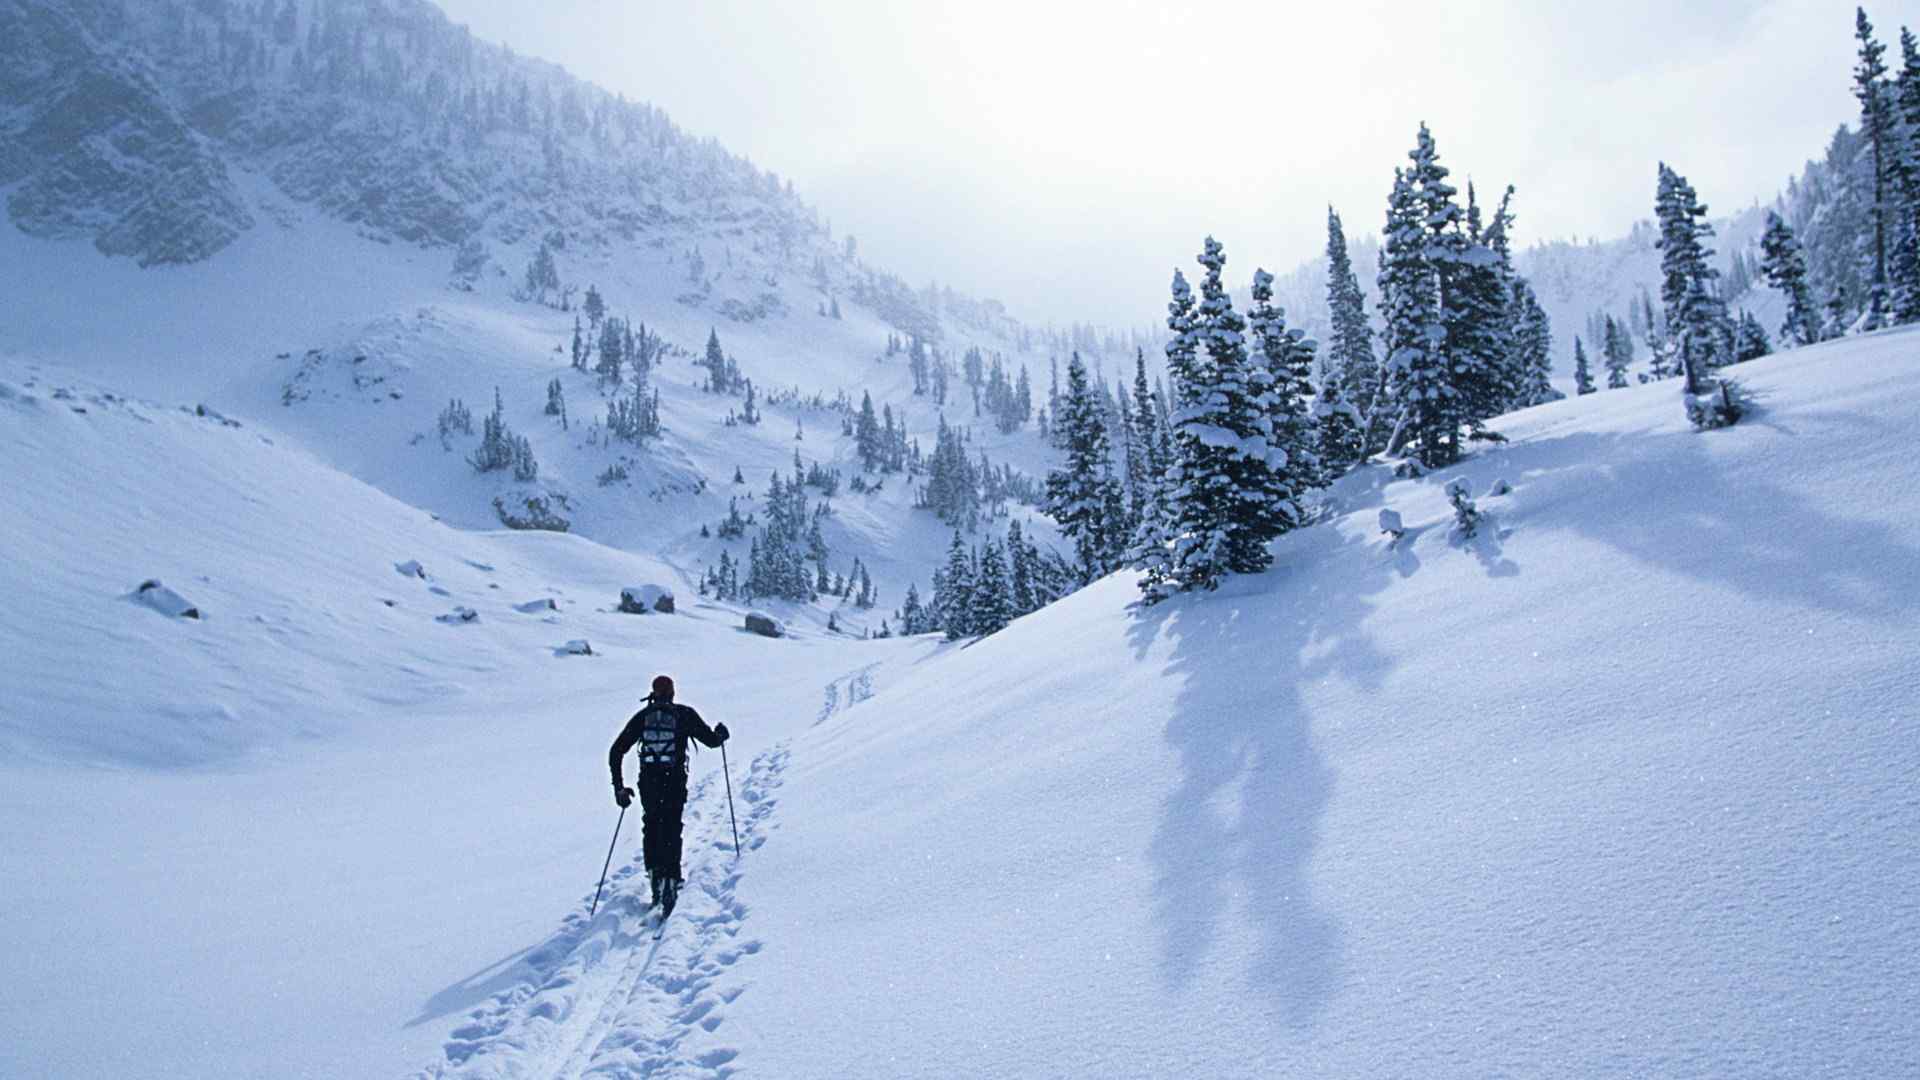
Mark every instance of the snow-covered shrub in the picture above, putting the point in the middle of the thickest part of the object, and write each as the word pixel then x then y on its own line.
pixel 539 515
pixel 1466 516
pixel 1722 406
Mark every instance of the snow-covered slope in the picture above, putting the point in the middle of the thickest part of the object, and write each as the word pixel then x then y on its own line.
pixel 1623 787
pixel 277 839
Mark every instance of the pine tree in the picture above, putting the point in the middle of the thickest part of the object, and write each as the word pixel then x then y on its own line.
pixel 1532 349
pixel 1154 537
pixel 613 351
pixel 715 363
pixel 595 309
pixel 1477 287
pixel 1419 383
pixel 1617 353
pixel 1905 256
pixel 1877 124
pixel 867 434
pixel 556 399
pixel 1694 312
pixel 1785 268
pixel 1350 361
pixel 1078 495
pixel 912 617
pixel 953 592
pixel 1582 374
pixel 1021 591
pixel 1281 377
pixel 1228 501
pixel 1751 342
pixel 579 348
pixel 990 609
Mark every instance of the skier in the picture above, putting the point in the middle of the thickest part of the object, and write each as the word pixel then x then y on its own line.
pixel 661 729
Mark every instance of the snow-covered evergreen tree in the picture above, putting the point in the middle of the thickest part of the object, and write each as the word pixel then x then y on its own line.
pixel 953 592
pixel 1582 373
pixel 1080 493
pixel 1350 360
pixel 1482 344
pixel 866 434
pixel 1785 268
pixel 1877 124
pixel 1750 342
pixel 991 607
pixel 1694 312
pixel 1618 351
pixel 1419 382
pixel 1281 377
pixel 1532 349
pixel 1228 499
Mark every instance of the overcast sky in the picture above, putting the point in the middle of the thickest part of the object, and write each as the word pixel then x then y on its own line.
pixel 1064 155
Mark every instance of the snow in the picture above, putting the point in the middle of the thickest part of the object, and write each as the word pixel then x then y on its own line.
pixel 1621 788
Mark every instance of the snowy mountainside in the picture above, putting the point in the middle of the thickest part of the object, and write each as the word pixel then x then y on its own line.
pixel 1620 787
pixel 138 124
pixel 344 198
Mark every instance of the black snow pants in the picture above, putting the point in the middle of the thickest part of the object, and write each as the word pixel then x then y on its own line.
pixel 663 795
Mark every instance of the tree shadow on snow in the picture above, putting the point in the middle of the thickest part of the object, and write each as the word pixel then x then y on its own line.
pixel 1730 526
pixel 1241 827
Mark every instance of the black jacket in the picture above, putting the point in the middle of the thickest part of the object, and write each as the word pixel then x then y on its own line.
pixel 661 730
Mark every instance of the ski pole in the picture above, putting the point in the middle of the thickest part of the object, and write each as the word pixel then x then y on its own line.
pixel 736 821
pixel 603 868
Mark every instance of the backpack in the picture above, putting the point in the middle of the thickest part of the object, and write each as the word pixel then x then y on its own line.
pixel 659 736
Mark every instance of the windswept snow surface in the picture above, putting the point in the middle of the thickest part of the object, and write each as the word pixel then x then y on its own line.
pixel 1626 786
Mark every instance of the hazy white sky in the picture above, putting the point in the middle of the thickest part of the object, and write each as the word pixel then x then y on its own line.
pixel 1064 155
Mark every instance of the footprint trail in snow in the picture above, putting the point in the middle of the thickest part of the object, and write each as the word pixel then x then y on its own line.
pixel 602 997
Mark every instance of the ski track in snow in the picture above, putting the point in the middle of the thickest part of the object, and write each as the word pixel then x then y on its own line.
pixel 603 998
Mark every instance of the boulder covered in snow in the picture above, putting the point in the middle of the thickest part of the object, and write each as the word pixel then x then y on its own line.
pixel 1391 524
pixel 537 607
pixel 641 599
pixel 165 600
pixel 765 625
pixel 411 568
pixel 459 615
pixel 576 647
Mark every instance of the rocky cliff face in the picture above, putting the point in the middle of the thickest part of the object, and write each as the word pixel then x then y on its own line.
pixel 92 146
pixel 164 129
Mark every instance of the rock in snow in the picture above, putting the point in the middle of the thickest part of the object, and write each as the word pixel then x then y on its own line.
pixel 576 647
pixel 411 568
pixel 535 607
pixel 459 615
pixel 641 599
pixel 165 600
pixel 765 625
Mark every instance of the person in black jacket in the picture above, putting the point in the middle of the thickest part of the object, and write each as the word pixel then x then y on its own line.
pixel 661 730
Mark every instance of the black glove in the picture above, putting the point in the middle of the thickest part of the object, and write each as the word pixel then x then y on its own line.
pixel 720 732
pixel 623 796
